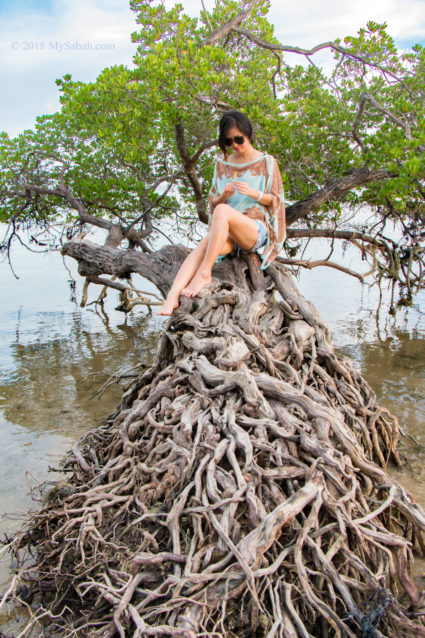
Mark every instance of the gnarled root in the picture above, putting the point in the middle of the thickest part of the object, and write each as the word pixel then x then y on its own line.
pixel 239 489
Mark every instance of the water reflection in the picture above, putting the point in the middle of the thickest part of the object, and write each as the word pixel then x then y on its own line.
pixel 53 378
pixel 395 369
pixel 49 385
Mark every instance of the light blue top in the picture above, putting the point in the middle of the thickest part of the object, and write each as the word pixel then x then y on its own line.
pixel 261 174
pixel 257 182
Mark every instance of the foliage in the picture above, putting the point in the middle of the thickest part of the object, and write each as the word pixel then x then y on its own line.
pixel 138 143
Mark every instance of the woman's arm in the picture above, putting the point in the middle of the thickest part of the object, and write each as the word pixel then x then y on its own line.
pixel 228 190
pixel 216 200
pixel 262 198
pixel 278 204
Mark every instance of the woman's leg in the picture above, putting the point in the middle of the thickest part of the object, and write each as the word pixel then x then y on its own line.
pixel 185 274
pixel 227 221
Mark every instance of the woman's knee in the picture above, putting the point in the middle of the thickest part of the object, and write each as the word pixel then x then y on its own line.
pixel 222 211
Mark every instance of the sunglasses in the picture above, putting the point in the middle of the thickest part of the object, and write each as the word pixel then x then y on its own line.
pixel 238 139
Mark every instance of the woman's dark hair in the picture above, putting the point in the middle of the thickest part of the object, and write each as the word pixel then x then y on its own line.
pixel 232 119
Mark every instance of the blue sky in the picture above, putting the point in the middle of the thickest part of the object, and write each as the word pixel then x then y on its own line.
pixel 41 40
pixel 7 6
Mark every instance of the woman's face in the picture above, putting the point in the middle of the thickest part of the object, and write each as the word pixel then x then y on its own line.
pixel 238 144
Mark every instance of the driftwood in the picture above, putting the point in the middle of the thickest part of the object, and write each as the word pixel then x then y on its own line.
pixel 240 489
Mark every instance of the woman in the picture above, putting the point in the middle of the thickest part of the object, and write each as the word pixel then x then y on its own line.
pixel 246 210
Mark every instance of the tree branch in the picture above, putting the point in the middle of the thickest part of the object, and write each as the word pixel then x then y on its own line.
pixel 203 148
pixel 367 97
pixel 330 233
pixel 189 170
pixel 356 123
pixel 272 46
pixel 305 263
pixel 116 231
pixel 94 261
pixel 229 26
pixel 334 190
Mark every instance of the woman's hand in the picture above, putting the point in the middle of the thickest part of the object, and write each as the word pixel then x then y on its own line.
pixel 244 189
pixel 227 192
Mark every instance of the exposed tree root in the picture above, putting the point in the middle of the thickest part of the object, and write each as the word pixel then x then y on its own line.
pixel 239 490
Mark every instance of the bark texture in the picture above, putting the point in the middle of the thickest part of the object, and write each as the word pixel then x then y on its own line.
pixel 240 489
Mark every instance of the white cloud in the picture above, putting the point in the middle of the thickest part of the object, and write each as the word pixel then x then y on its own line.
pixel 80 37
pixel 307 23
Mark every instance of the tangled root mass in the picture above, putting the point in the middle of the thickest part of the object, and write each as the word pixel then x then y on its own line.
pixel 239 490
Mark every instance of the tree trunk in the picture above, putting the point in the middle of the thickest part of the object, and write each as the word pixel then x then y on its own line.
pixel 240 489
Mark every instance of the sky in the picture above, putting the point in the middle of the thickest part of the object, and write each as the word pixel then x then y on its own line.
pixel 41 40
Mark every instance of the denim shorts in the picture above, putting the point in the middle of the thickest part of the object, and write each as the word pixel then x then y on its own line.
pixel 261 239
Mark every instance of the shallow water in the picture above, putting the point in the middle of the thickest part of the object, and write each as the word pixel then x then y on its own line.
pixel 54 355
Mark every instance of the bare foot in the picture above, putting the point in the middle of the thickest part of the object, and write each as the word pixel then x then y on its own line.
pixel 168 307
pixel 198 282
